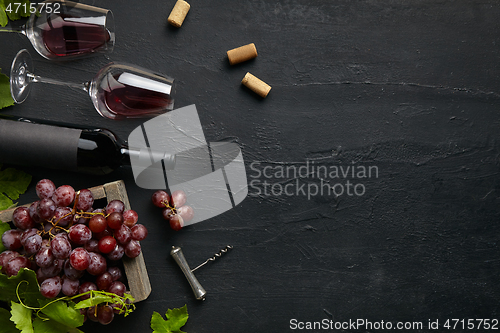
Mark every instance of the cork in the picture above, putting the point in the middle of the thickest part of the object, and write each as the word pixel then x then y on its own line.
pixel 242 53
pixel 256 85
pixel 178 13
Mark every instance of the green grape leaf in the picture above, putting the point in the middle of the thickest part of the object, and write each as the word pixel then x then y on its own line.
pixel 16 9
pixel 51 326
pixel 63 313
pixel 29 291
pixel 21 316
pixel 3 15
pixel 176 318
pixel 5 96
pixel 3 228
pixel 5 323
pixel 12 183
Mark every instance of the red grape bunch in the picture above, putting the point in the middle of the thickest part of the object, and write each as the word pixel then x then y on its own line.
pixel 174 207
pixel 72 247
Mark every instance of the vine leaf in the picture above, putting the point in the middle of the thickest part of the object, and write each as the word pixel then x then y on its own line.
pixel 21 316
pixel 12 183
pixel 63 313
pixel 176 318
pixel 24 283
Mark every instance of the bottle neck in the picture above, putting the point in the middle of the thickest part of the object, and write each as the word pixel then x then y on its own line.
pixel 146 157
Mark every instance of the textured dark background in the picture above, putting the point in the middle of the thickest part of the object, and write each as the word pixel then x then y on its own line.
pixel 409 87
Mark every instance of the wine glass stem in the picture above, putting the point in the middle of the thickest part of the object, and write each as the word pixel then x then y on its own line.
pixel 82 86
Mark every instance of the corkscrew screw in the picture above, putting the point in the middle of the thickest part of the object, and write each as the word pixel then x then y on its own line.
pixel 179 258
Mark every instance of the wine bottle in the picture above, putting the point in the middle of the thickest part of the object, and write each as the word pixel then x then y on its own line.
pixel 66 147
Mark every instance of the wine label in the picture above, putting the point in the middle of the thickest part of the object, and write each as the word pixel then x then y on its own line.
pixel 27 143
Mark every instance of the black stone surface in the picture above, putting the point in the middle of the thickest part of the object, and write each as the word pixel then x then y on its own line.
pixel 410 89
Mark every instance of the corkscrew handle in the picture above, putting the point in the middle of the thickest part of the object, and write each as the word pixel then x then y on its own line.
pixel 179 258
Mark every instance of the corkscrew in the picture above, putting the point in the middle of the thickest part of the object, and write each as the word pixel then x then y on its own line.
pixel 179 258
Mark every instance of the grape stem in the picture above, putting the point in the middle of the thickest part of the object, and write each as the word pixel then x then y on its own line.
pixel 121 301
pixel 173 209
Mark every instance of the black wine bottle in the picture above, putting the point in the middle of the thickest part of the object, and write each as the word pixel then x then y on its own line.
pixel 61 146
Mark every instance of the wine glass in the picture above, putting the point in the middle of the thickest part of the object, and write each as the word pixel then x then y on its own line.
pixel 117 91
pixel 65 30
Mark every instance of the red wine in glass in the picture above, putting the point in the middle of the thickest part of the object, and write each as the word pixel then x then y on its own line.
pixel 63 30
pixel 65 35
pixel 130 95
pixel 117 91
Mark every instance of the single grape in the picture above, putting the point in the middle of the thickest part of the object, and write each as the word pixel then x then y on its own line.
pixel 176 222
pixel 79 259
pixel 40 276
pixel 178 198
pixel 115 272
pixel 186 212
pixel 85 287
pixel 63 195
pixel 98 223
pixel 22 219
pixel 117 288
pixel 92 245
pixel 61 248
pixel 5 256
pixel 33 210
pixel 45 188
pixel 72 272
pixel 115 206
pixel 51 287
pixel 85 200
pixel 104 281
pixel 27 234
pixel 130 218
pixel 115 220
pixel 11 239
pixel 48 228
pixel 123 234
pixel 83 311
pixel 63 235
pixel 97 264
pixel 117 253
pixel 105 314
pixel 13 266
pixel 107 244
pixel 44 257
pixel 69 286
pixel 33 244
pixel 138 232
pixel 46 208
pixel 63 216
pixel 53 269
pixel 132 249
pixel 79 234
pixel 92 313
pixel 159 198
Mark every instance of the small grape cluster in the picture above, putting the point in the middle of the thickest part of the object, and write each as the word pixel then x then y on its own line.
pixel 72 247
pixel 174 207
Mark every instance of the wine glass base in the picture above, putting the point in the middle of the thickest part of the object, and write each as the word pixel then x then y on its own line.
pixel 20 80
